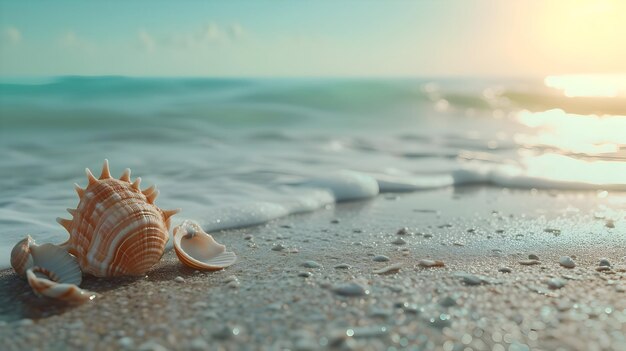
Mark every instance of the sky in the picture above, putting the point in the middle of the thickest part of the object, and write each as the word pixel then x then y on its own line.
pixel 312 38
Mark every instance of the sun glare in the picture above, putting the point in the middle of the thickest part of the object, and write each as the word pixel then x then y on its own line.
pixel 581 85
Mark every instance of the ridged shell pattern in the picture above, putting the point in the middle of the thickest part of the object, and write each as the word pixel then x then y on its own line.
pixel 116 228
pixel 21 259
pixel 47 283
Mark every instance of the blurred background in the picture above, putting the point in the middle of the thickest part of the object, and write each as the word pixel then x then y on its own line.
pixel 244 112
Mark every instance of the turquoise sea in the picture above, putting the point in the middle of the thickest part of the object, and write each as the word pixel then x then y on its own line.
pixel 237 152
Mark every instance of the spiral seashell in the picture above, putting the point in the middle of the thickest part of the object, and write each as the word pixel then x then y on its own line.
pixel 116 228
pixel 199 250
pixel 21 259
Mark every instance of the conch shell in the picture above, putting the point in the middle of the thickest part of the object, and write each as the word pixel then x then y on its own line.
pixel 116 228
pixel 197 249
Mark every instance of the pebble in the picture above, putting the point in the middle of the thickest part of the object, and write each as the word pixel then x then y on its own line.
pixel 151 346
pixel 428 236
pixel 394 268
pixel 470 279
pixel 278 247
pixel 311 264
pixel 179 279
pixel 605 262
pixel 610 223
pixel 25 322
pixel 342 266
pixel 403 231
pixel 126 342
pixel 350 289
pixel 381 258
pixel 556 283
pixel 603 268
pixel 231 278
pixel 248 237
pixel 304 274
pixel 567 262
pixel 233 285
pixel 533 257
pixel 198 344
pixel 430 263
pixel 529 262
pixel 224 333
pixel 334 221
pixel 399 241
pixel 505 270
pixel 447 301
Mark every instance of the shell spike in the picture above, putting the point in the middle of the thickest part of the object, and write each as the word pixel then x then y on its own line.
pixel 90 176
pixel 126 175
pixel 153 196
pixel 66 223
pixel 136 183
pixel 169 213
pixel 80 191
pixel 72 211
pixel 149 190
pixel 106 173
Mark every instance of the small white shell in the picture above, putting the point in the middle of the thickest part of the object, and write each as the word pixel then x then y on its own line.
pixel 46 283
pixel 199 250
pixel 56 274
pixel 21 259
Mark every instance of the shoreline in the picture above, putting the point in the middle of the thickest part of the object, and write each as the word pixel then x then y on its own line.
pixel 281 300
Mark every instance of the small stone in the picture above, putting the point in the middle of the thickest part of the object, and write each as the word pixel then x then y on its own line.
pixel 505 270
pixel 233 285
pixel 223 333
pixel 381 258
pixel 533 257
pixel 403 231
pixel 334 221
pixel 610 223
pixel 278 247
pixel 350 289
pixel 470 279
pixel 126 342
pixel 457 244
pixel 198 344
pixel 427 236
pixel 605 262
pixel 311 264
pixel 554 231
pixel 357 230
pixel 231 278
pixel 394 268
pixel 151 346
pixel 342 266
pixel 248 237
pixel 556 283
pixel 426 263
pixel 567 262
pixel 447 301
pixel 25 322
pixel 179 279
pixel 603 269
pixel 399 241
pixel 304 274
pixel 529 262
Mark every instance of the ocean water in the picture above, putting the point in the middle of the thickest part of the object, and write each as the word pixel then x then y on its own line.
pixel 238 152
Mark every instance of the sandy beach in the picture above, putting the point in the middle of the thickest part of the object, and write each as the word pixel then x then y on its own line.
pixel 351 277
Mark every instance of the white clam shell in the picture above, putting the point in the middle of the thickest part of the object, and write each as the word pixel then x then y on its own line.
pixel 56 274
pixel 199 250
pixel 43 283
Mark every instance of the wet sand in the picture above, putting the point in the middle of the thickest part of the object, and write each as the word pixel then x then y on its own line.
pixel 274 298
